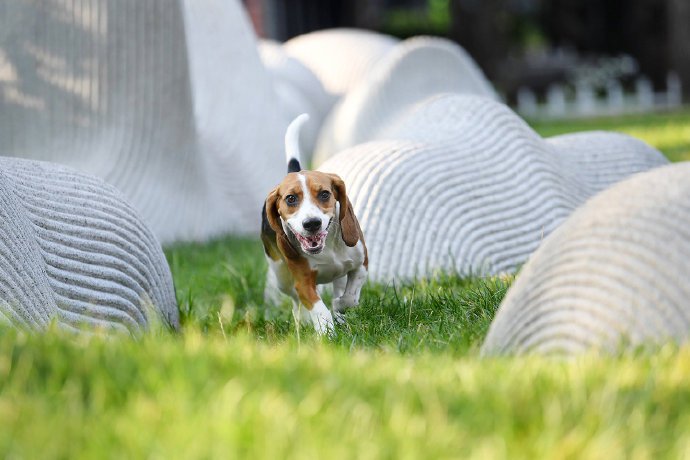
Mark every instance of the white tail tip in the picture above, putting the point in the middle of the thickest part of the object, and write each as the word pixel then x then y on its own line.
pixel 292 137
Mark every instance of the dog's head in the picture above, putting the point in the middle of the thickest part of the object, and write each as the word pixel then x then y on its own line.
pixel 304 206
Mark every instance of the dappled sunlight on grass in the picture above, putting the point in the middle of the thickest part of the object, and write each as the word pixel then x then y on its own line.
pixel 667 131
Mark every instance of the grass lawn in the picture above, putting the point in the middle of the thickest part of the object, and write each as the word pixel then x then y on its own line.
pixel 668 132
pixel 402 379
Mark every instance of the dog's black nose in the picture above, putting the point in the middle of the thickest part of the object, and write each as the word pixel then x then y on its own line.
pixel 312 224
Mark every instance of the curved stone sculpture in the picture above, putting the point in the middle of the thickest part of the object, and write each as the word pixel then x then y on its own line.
pixel 340 58
pixel 615 274
pixel 298 90
pixel 72 251
pixel 168 101
pixel 411 72
pixel 465 185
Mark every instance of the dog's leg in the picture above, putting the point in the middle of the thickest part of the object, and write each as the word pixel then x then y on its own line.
pixel 350 298
pixel 278 280
pixel 271 289
pixel 321 318
pixel 339 285
pixel 300 313
pixel 279 283
pixel 305 285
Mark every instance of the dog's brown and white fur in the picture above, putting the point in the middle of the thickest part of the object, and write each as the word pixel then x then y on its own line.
pixel 311 236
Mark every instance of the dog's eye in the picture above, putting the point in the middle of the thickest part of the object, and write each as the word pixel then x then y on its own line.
pixel 324 195
pixel 291 200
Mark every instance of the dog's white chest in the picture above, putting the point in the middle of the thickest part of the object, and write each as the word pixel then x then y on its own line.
pixel 336 261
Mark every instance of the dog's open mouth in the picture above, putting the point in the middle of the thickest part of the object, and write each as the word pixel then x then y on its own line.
pixel 313 244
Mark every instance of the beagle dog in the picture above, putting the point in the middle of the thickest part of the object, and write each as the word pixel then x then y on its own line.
pixel 311 236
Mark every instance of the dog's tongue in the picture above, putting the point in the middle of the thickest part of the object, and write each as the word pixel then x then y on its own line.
pixel 312 242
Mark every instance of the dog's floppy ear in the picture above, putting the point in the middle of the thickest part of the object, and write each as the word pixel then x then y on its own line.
pixel 273 218
pixel 348 222
pixel 272 215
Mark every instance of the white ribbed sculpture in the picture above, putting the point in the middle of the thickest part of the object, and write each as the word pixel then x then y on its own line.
pixel 613 276
pixel 462 184
pixel 298 91
pixel 73 252
pixel 409 73
pixel 166 100
pixel 340 58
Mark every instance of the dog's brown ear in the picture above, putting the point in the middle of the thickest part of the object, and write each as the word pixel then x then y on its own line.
pixel 273 218
pixel 348 222
pixel 272 215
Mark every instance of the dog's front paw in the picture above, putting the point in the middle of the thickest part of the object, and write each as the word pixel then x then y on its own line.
pixel 321 318
pixel 338 317
pixel 344 302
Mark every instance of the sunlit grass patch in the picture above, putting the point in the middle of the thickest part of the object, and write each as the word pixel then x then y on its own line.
pixel 667 131
pixel 201 396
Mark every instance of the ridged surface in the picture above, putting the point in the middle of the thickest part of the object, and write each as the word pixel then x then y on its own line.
pixel 409 73
pixel 298 91
pixel 165 99
pixel 461 183
pixel 614 275
pixel 340 58
pixel 72 251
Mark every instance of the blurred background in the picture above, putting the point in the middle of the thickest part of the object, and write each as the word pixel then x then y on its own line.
pixel 180 97
pixel 550 58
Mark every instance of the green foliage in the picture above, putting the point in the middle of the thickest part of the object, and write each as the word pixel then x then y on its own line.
pixel 408 22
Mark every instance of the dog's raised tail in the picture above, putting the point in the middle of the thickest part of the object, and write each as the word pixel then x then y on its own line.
pixel 292 155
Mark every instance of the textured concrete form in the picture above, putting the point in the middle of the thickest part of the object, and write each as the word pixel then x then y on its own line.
pixel 614 275
pixel 340 58
pixel 72 251
pixel 166 100
pixel 298 90
pixel 409 73
pixel 461 183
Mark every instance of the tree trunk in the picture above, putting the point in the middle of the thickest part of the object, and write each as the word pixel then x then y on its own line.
pixel 480 27
pixel 679 41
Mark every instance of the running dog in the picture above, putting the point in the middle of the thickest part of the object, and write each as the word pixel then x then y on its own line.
pixel 311 236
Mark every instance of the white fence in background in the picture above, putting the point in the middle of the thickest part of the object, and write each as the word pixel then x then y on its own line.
pixel 582 100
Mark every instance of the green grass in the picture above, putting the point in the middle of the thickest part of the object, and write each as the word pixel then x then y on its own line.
pixel 667 131
pixel 204 396
pixel 220 287
pixel 402 379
